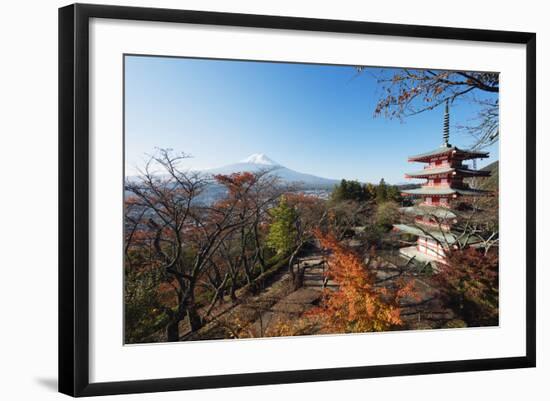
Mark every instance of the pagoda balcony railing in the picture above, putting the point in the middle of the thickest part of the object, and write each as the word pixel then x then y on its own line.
pixel 433 165
pixel 433 224
pixel 438 185
pixel 459 165
pixel 433 203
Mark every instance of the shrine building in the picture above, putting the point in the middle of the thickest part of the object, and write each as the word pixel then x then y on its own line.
pixel 444 171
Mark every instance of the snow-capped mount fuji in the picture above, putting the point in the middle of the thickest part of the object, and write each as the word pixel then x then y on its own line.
pixel 259 161
pixel 259 158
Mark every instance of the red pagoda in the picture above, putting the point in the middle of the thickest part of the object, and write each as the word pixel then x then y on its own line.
pixel 433 218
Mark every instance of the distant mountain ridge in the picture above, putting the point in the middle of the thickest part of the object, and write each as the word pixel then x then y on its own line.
pixel 259 161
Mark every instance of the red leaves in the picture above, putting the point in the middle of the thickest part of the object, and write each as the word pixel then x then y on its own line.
pixel 469 282
pixel 470 270
pixel 237 181
pixel 300 200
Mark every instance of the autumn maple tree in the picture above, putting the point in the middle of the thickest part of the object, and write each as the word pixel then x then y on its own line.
pixel 358 304
pixel 185 232
pixel 251 195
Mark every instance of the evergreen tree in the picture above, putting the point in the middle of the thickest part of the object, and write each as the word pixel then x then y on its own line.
pixel 339 192
pixel 393 194
pixel 382 192
pixel 387 213
pixel 370 191
pixel 282 233
pixel 349 190
pixel 355 191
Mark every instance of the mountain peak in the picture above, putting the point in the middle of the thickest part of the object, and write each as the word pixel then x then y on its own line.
pixel 259 162
pixel 259 158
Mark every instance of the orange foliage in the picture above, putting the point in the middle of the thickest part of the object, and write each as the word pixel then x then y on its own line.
pixel 358 305
pixel 238 187
pixel 300 199
pixel 236 182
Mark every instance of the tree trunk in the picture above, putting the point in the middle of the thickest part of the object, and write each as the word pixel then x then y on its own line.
pixel 259 251
pixel 218 296
pixel 244 258
pixel 291 262
pixel 291 268
pixel 262 262
pixel 233 289
pixel 173 332
pixel 298 281
pixel 247 273
pixel 195 321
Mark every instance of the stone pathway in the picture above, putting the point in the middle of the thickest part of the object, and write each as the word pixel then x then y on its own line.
pixel 314 276
pixel 297 302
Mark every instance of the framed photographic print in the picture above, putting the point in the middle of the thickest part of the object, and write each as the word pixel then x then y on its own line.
pixel 249 199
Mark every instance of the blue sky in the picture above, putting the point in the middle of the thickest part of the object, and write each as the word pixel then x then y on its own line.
pixel 315 119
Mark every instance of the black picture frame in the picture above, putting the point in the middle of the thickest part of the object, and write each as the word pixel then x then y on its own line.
pixel 74 201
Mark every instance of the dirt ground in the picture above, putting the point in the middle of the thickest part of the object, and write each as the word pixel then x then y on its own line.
pixel 257 315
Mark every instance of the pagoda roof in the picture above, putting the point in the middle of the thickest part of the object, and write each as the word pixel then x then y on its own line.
pixel 411 252
pixel 443 150
pixel 444 237
pixel 442 191
pixel 437 234
pixel 439 212
pixel 447 170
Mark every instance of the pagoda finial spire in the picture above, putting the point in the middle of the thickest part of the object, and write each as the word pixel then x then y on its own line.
pixel 446 125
